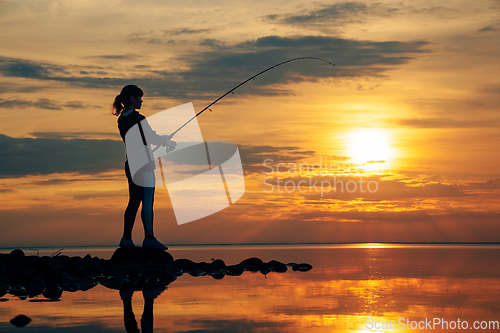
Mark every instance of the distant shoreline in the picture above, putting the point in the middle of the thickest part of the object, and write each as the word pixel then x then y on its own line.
pixel 264 245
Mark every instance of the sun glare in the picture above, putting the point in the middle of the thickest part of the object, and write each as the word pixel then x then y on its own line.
pixel 369 146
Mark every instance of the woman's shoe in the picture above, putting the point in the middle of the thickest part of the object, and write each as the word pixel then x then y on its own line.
pixel 126 243
pixel 153 244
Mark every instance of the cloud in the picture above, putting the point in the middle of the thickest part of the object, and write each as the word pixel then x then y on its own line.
pixel 58 152
pixel 15 103
pixel 73 135
pixel 487 29
pixel 42 103
pixel 129 56
pixel 338 14
pixel 211 72
pixel 45 103
pixel 23 156
pixel 258 159
pixel 184 31
pixel 353 12
pixel 213 43
pixel 14 67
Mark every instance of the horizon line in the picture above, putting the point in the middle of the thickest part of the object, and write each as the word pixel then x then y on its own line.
pixel 253 244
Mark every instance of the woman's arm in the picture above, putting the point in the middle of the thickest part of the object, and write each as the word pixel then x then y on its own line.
pixel 152 137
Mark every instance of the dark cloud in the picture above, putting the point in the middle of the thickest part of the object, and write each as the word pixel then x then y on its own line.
pixel 336 14
pixel 45 103
pixel 42 103
pixel 150 37
pixel 15 103
pixel 22 156
pixel 74 135
pixel 184 31
pixel 487 29
pixel 349 12
pixel 129 56
pixel 255 158
pixel 75 105
pixel 213 43
pixel 15 67
pixel 221 68
pixel 53 152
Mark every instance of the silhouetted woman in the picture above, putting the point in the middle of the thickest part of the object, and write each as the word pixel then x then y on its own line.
pixel 125 106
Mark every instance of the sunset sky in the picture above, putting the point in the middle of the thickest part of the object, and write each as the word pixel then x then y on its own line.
pixel 411 106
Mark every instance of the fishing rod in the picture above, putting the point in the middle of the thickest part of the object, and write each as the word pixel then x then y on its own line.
pixel 242 83
pixel 236 87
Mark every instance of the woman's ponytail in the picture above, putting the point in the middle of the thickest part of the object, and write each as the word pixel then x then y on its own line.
pixel 124 97
pixel 118 106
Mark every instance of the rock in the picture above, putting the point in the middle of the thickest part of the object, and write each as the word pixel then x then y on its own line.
pixel 134 271
pixel 277 266
pixel 75 269
pixel 132 268
pixel 185 265
pixel 20 321
pixel 218 263
pixel 141 255
pixel 73 284
pixel 18 291
pixel 252 262
pixel 93 269
pixel 203 266
pixel 166 277
pixel 113 283
pixel 17 254
pixel 302 267
pixel 4 289
pixel 250 268
pixel 20 275
pixel 217 275
pixel 265 268
pixel 4 279
pixel 34 288
pixel 52 275
pixel 197 273
pixel 152 281
pixel 52 291
pixel 172 268
pixel 235 270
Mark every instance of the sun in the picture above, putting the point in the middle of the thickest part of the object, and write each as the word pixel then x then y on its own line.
pixel 369 146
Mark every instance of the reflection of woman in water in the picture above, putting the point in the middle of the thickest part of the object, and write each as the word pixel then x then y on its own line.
pixel 124 106
pixel 147 315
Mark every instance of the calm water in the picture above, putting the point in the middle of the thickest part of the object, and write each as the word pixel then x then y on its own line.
pixel 348 287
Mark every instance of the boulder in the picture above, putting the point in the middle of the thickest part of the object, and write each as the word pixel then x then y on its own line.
pixel 252 262
pixel 141 256
pixel 17 254
pixel 302 267
pixel 52 291
pixel 20 321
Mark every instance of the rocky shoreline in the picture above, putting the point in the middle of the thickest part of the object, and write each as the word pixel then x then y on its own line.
pixel 128 269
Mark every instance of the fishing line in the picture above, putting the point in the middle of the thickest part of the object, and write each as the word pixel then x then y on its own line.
pixel 239 85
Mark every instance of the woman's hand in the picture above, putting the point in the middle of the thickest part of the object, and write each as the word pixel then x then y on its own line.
pixel 171 145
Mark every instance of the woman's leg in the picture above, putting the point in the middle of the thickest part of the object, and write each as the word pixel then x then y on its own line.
pixel 147 204
pixel 147 213
pixel 136 194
